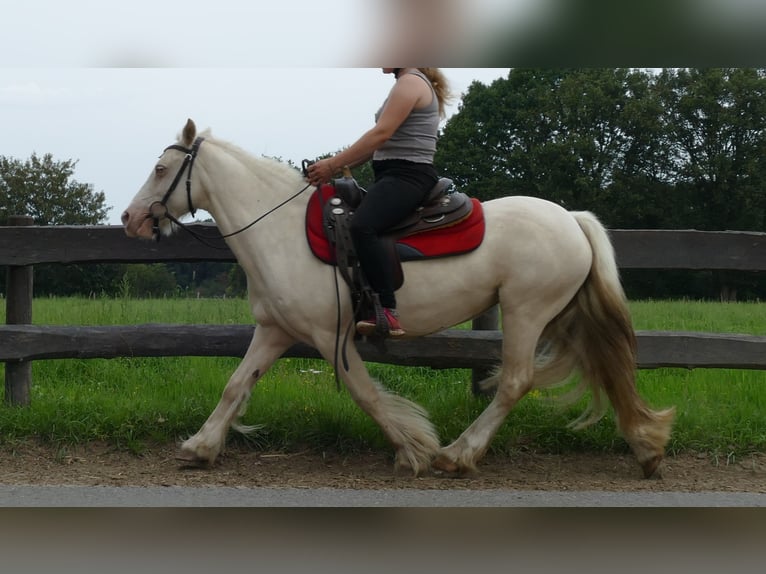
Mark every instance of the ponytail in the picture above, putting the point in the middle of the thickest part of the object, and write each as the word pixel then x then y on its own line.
pixel 440 85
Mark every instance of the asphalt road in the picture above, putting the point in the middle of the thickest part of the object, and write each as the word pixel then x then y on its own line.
pixel 94 497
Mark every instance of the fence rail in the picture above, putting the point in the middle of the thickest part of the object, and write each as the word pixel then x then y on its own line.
pixel 23 245
pixel 449 349
pixel 635 248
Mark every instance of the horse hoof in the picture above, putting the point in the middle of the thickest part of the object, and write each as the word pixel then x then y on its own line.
pixel 405 467
pixel 650 466
pixel 447 466
pixel 190 460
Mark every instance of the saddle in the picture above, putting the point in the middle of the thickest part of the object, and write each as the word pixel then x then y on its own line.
pixel 447 223
pixel 439 208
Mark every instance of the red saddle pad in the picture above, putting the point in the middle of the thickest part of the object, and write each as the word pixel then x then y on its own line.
pixel 457 239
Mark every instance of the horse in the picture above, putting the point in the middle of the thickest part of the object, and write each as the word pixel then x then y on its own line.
pixel 552 272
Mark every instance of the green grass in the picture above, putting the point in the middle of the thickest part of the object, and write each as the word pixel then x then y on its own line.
pixel 700 316
pixel 134 403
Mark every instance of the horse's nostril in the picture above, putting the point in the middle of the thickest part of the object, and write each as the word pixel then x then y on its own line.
pixel 125 217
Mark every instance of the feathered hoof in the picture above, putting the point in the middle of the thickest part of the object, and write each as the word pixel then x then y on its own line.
pixel 404 466
pixel 650 466
pixel 443 464
pixel 187 458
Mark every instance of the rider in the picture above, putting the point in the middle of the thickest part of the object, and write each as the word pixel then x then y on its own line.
pixel 402 145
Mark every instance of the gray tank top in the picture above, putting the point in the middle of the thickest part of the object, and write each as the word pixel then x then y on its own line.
pixel 415 139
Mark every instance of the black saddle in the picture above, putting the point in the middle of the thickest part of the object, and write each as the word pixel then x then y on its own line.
pixel 439 209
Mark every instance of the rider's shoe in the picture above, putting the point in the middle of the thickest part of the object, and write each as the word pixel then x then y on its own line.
pixel 368 327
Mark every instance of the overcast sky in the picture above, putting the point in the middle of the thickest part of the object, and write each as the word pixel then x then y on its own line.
pixel 116 121
pixel 110 84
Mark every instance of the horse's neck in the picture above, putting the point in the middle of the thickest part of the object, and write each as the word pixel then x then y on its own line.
pixel 242 192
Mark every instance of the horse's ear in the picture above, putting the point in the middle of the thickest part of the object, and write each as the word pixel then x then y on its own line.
pixel 189 133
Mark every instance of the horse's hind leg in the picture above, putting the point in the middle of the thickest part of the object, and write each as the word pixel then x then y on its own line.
pixel 646 431
pixel 607 349
pixel 602 347
pixel 267 345
pixel 514 381
pixel 602 332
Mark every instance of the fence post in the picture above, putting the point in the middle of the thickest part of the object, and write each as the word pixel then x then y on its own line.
pixel 18 311
pixel 487 321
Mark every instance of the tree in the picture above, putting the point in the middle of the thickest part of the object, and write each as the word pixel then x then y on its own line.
pixel 717 121
pixel 148 280
pixel 43 189
pixel 642 191
pixel 560 134
pixel 680 149
pixel 477 146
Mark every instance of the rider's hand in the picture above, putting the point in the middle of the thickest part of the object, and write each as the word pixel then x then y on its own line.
pixel 320 172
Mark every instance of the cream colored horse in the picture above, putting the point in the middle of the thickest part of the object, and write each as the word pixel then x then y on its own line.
pixel 552 272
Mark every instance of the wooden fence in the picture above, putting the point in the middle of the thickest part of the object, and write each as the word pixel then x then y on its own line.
pixel 23 245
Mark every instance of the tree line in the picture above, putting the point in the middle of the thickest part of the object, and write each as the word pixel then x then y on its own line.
pixel 677 148
pixel 43 188
pixel 681 148
pixel 672 149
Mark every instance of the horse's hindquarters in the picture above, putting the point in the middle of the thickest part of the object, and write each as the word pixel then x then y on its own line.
pixel 533 259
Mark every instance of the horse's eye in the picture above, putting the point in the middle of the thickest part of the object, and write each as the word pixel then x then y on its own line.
pixel 159 171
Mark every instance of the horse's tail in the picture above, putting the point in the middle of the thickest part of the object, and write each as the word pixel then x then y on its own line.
pixel 594 336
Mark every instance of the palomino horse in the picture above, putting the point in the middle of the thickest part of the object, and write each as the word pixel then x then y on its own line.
pixel 552 272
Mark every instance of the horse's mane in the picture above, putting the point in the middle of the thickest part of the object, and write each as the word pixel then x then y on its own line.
pixel 262 166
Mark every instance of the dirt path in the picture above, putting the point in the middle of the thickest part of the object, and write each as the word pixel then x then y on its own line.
pixel 97 464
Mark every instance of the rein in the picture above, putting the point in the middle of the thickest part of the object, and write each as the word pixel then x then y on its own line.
pixel 159 209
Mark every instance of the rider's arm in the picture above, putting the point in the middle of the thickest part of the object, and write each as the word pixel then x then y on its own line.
pixel 404 96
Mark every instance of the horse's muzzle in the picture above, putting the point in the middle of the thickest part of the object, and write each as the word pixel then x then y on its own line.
pixel 137 224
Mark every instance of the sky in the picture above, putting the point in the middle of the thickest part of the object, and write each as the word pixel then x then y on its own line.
pixel 115 122
pixel 110 84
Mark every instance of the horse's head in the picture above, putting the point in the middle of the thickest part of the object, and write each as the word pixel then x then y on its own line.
pixel 167 194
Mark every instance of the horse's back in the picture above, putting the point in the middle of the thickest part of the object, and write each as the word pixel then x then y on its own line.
pixel 535 223
pixel 527 207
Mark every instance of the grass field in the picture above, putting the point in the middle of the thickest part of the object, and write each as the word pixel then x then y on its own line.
pixel 133 403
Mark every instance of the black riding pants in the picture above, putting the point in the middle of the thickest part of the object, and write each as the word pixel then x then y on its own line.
pixel 400 187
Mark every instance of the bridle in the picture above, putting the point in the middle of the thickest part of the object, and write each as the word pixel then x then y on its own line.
pixel 159 209
pixel 163 213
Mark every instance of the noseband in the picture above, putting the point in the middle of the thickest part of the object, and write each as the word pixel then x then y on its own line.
pixel 159 210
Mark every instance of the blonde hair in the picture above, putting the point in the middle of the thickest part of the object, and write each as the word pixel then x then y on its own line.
pixel 441 87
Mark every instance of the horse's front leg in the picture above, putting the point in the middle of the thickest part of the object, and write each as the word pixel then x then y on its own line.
pixel 405 424
pixel 268 344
